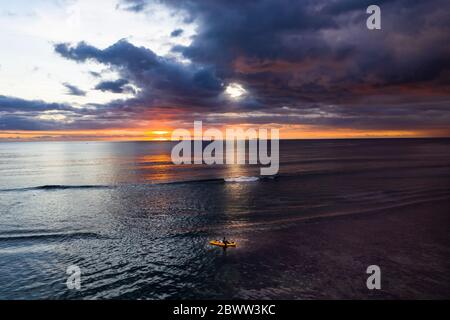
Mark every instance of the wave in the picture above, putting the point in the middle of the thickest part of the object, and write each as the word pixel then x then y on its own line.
pixel 242 179
pixel 214 180
pixel 193 181
pixel 58 187
pixel 49 236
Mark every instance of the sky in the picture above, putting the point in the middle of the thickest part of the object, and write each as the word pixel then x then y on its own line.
pixel 137 69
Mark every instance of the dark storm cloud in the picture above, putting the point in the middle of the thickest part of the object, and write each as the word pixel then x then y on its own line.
pixel 254 30
pixel 13 122
pixel 74 90
pixel 345 6
pixel 26 122
pixel 412 46
pixel 21 114
pixel 163 81
pixel 12 104
pixel 116 86
pixel 327 38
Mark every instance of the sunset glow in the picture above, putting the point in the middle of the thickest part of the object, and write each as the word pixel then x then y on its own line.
pixel 291 132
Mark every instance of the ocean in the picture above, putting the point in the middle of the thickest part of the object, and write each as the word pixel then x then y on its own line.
pixel 139 227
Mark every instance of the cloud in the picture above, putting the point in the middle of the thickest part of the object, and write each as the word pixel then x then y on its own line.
pixel 116 86
pixel 328 38
pixel 21 114
pixel 74 90
pixel 176 33
pixel 13 104
pixel 132 5
pixel 319 51
pixel 95 74
pixel 164 81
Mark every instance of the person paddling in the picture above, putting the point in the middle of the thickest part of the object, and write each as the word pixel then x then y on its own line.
pixel 225 242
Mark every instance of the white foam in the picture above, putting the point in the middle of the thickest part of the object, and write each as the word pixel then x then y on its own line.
pixel 241 179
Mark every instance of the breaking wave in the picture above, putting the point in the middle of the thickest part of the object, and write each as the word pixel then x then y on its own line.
pixel 242 179
pixel 57 187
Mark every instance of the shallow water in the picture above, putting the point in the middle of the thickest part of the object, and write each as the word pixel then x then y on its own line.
pixel 138 226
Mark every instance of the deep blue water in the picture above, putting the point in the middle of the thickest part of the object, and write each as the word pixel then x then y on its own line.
pixel 138 226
